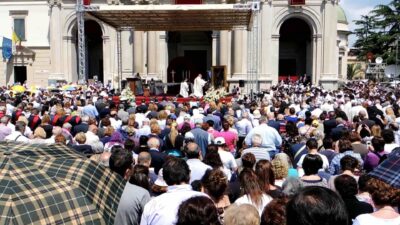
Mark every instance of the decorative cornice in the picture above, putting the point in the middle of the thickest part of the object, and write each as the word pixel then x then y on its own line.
pixel 54 3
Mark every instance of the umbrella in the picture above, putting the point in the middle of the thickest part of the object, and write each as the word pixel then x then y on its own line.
pixel 69 88
pixel 53 184
pixel 18 88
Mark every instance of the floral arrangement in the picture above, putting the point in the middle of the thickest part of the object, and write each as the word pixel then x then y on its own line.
pixel 215 94
pixel 127 94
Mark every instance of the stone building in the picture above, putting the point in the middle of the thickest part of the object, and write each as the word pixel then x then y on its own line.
pixel 308 38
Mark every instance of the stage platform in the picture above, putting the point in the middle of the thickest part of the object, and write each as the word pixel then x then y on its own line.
pixel 139 99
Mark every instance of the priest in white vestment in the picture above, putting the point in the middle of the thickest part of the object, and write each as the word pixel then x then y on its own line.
pixel 198 86
pixel 184 92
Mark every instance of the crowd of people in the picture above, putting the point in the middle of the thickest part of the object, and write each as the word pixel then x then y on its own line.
pixel 295 154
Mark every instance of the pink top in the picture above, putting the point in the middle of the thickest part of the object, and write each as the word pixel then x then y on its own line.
pixel 213 132
pixel 230 139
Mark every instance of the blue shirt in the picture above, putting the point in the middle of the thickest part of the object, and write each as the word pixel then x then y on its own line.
pixel 334 168
pixel 197 169
pixel 270 137
pixel 90 110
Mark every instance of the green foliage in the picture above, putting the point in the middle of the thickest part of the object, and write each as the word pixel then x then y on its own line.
pixel 354 71
pixel 377 32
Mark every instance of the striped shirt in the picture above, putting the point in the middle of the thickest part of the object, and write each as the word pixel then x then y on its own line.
pixel 259 153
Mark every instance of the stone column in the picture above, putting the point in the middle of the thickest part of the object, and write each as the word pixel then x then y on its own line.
pixel 237 51
pixel 317 58
pixel 225 45
pixel 163 56
pixel 215 48
pixel 68 56
pixel 329 67
pixel 56 41
pixel 274 62
pixel 107 59
pixel 152 53
pixel 127 53
pixel 145 53
pixel 138 65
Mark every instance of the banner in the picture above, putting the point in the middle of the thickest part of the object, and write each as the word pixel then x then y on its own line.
pixel 15 40
pixel 7 48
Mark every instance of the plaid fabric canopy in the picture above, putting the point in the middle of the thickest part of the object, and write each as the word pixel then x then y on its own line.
pixel 389 170
pixel 55 185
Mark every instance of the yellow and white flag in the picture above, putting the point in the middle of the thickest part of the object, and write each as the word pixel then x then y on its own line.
pixel 15 40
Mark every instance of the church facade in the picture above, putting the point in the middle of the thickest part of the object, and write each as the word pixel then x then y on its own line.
pixel 294 39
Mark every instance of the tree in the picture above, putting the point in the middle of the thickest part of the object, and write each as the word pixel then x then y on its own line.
pixel 388 20
pixel 354 71
pixel 368 37
pixel 377 32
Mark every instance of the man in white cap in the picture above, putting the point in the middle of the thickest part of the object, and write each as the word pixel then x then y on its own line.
pixel 228 161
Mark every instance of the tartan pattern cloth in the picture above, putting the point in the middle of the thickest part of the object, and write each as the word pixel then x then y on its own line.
pixel 389 170
pixel 55 185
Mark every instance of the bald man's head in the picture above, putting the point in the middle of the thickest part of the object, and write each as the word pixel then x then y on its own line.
pixel 192 150
pixel 144 158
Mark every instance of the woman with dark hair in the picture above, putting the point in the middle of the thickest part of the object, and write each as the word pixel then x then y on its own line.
pixel 291 141
pixel 252 192
pixel 375 156
pixel 346 186
pixel 388 136
pixel 212 148
pixel 186 127
pixel 214 160
pixel 142 145
pixel 316 206
pixel 198 210
pixel 344 148
pixel 215 185
pixel 311 165
pixel 275 212
pixel 266 178
pixel 385 198
pixel 140 177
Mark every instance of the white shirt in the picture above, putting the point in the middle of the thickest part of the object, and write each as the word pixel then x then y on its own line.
pixel 145 130
pixel 389 147
pixel 368 219
pixel 116 124
pixel 139 117
pixel 163 210
pixel 93 140
pixel 325 163
pixel 246 200
pixel 197 169
pixel 17 137
pixel 228 162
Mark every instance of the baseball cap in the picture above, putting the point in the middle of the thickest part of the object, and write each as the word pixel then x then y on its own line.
pixel 219 141
pixel 172 116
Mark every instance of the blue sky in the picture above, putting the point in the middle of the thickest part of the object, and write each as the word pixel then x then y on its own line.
pixel 355 8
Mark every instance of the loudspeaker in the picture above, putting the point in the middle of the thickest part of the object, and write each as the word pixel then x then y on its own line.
pixel 241 83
